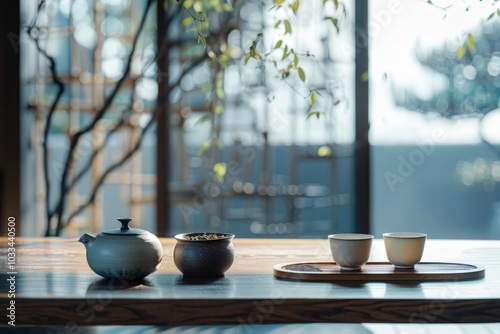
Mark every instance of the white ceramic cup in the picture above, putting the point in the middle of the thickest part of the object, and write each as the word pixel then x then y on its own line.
pixel 350 250
pixel 404 249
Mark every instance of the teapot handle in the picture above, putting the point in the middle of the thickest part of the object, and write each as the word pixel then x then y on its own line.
pixel 125 222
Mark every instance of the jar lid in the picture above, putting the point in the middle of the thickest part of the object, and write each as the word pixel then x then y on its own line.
pixel 125 229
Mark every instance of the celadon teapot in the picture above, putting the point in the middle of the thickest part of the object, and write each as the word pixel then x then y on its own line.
pixel 124 253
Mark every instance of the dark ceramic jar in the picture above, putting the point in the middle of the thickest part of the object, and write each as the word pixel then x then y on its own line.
pixel 197 256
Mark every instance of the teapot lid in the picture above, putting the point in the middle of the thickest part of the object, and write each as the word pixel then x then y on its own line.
pixel 125 229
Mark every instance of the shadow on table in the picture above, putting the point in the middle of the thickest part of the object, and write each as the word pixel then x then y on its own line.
pixel 106 288
pixel 113 284
pixel 185 280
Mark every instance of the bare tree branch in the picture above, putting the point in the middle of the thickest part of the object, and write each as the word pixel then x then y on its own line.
pixel 110 169
pixel 98 150
pixel 75 139
pixel 55 102
pixel 137 145
pixel 58 210
pixel 129 154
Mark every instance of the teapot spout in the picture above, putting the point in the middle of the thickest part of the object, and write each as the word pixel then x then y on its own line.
pixel 87 239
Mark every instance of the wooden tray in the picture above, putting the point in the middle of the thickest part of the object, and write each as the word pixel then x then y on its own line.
pixel 378 271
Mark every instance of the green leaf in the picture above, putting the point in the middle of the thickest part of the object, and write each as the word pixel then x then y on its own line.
pixel 207 87
pixel 279 2
pixel 470 42
pixel 313 94
pixel 247 57
pixel 490 16
pixel 227 7
pixel 278 44
pixel 202 119
pixel 187 21
pixel 220 93
pixel 324 151
pixel 336 3
pixel 295 61
pixel 311 114
pixel 215 4
pixel 260 34
pixel 219 83
pixel 220 170
pixel 277 24
pixel 285 53
pixel 252 48
pixel 202 40
pixel 336 102
pixel 318 114
pixel 295 6
pixel 198 6
pixel 219 108
pixel 364 77
pixel 461 52
pixel 334 21
pixel 313 98
pixel 223 59
pixel 288 27
pixel 218 143
pixel 202 15
pixel 302 74
pixel 316 92
pixel 205 146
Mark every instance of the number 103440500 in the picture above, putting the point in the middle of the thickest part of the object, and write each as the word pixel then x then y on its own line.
pixel 11 240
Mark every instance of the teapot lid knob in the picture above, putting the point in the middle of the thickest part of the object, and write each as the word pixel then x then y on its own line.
pixel 125 222
pixel 125 229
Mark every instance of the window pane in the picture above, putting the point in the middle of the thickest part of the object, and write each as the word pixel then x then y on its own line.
pixel 283 175
pixel 89 42
pixel 434 83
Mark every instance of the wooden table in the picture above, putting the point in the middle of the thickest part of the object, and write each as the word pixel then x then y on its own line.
pixel 55 287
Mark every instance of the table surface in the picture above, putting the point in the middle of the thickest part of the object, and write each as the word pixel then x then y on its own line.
pixel 55 286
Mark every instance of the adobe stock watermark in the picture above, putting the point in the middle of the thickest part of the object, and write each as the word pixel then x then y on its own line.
pixel 416 158
pixel 279 121
pixel 16 41
pixel 11 271
pixel 88 310
pixel 434 309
